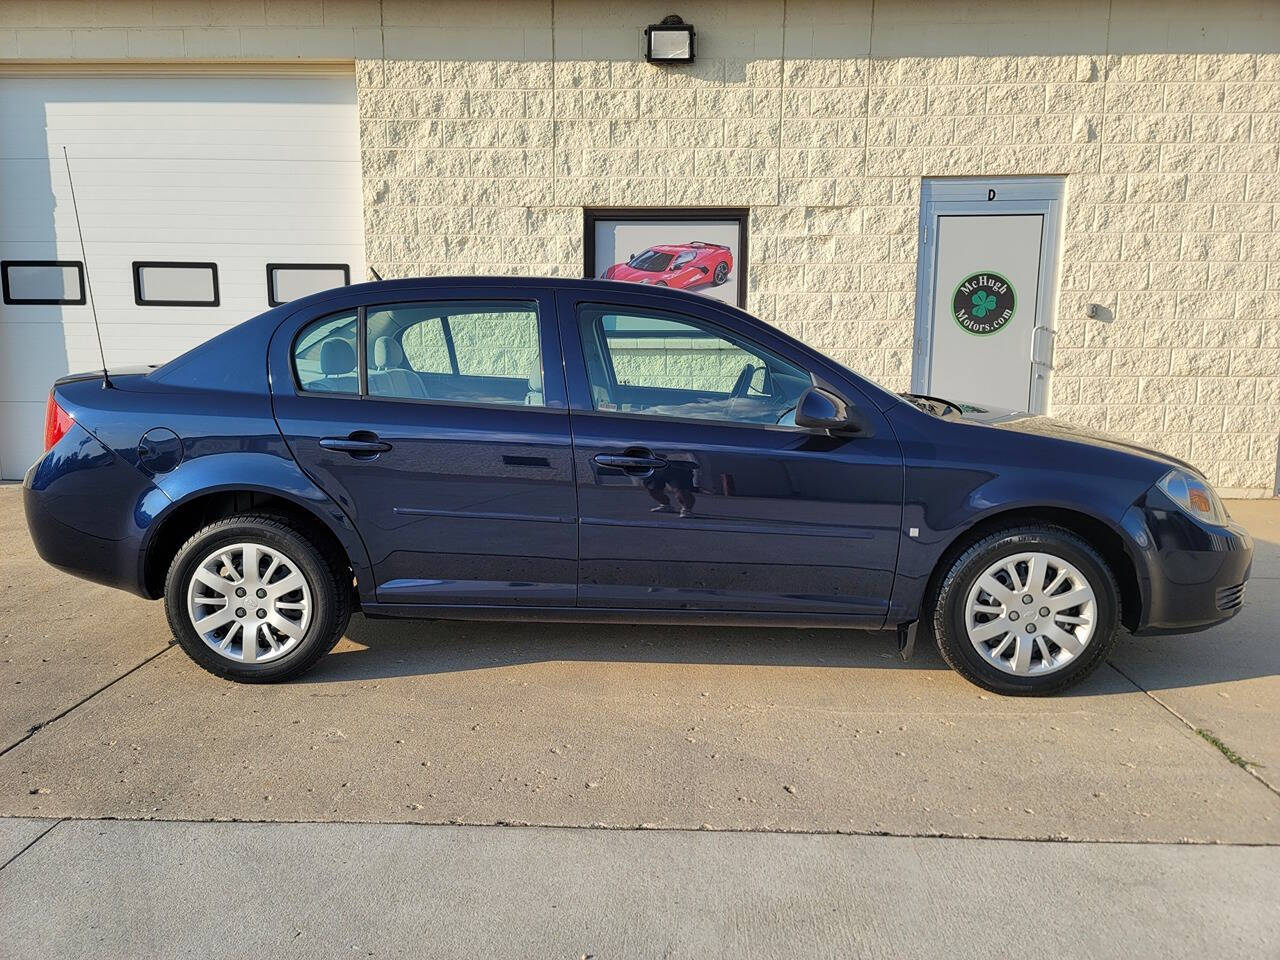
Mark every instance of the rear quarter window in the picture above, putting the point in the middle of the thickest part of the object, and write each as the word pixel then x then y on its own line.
pixel 325 357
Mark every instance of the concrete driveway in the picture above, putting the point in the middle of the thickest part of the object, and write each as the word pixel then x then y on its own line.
pixel 792 732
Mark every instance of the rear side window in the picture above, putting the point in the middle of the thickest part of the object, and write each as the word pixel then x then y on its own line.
pixel 324 355
pixel 470 351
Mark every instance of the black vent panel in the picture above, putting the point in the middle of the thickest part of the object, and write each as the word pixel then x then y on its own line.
pixel 1230 597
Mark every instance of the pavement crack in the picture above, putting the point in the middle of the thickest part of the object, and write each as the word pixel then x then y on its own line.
pixel 1206 735
pixel 1210 737
pixel 654 828
pixel 40 836
pixel 82 701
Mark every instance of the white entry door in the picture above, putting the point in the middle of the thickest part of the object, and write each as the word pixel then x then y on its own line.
pixel 191 189
pixel 984 326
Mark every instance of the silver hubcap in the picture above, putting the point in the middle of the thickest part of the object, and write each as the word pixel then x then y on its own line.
pixel 249 603
pixel 1030 614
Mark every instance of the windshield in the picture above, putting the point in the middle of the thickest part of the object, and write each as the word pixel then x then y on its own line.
pixel 651 260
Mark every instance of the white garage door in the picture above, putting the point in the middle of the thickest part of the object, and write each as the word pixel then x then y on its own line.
pixel 189 188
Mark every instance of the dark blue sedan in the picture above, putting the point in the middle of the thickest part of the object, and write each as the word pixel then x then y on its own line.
pixel 566 450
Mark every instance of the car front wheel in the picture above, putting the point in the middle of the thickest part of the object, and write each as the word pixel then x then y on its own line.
pixel 255 600
pixel 1026 611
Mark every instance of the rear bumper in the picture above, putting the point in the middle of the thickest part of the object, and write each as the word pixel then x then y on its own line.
pixel 87 511
pixel 1192 575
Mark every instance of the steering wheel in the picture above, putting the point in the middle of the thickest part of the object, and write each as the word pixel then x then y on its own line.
pixel 743 383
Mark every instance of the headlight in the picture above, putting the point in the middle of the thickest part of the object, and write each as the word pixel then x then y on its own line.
pixel 1193 495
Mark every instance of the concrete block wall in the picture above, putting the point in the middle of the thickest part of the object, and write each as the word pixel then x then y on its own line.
pixel 486 127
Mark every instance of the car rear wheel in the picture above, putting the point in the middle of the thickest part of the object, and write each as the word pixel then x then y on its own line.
pixel 1026 611
pixel 255 600
pixel 721 274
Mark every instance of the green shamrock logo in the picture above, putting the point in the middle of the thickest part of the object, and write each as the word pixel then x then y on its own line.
pixel 983 303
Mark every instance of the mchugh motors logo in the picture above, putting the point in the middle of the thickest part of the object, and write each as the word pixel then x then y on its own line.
pixel 984 303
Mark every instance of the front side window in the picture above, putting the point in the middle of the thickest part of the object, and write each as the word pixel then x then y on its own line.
pixel 461 351
pixel 324 355
pixel 671 366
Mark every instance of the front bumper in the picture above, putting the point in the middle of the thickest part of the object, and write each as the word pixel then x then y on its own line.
pixel 1192 575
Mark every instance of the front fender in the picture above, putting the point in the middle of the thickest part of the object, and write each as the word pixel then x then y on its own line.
pixel 943 503
pixel 267 473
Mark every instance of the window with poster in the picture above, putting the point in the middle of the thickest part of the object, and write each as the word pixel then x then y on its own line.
pixel 701 249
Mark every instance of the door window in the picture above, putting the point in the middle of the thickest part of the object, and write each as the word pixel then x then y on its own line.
pixel 673 366
pixel 458 351
pixel 324 355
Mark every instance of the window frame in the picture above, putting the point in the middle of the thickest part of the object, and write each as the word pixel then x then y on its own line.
pixel 719 330
pixel 271 267
pixel 548 335
pixel 9 299
pixel 292 357
pixel 140 265
pixel 679 215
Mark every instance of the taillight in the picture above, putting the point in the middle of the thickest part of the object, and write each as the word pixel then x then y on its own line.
pixel 56 423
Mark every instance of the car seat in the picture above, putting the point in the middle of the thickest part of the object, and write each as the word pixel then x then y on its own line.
pixel 389 377
pixel 337 368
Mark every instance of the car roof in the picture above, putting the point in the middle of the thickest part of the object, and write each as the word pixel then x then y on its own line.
pixel 379 290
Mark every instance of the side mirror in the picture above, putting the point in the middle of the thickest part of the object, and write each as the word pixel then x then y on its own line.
pixel 823 410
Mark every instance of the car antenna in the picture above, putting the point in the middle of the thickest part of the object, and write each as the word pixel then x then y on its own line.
pixel 102 354
pixel 376 274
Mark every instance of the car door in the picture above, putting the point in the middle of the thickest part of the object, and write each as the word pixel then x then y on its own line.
pixel 695 492
pixel 439 424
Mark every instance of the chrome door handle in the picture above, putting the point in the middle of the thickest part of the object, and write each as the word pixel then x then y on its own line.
pixel 362 445
pixel 634 464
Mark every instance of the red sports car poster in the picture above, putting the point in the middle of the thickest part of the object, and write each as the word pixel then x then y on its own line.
pixel 678 250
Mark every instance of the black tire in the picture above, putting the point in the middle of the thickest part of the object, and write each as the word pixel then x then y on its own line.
pixel 327 578
pixel 948 609
pixel 721 274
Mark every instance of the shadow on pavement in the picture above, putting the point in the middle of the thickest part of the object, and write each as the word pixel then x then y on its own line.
pixel 390 648
pixel 381 649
